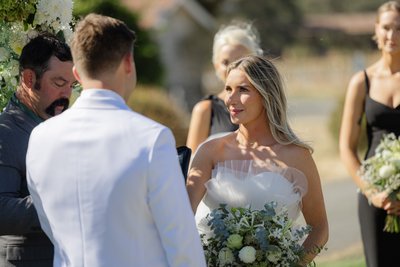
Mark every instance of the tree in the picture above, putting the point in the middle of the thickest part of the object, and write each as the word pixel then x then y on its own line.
pixel 332 6
pixel 276 21
pixel 147 53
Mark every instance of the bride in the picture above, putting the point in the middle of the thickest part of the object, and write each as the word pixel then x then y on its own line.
pixel 263 160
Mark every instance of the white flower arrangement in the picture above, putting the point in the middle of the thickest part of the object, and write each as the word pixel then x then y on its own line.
pixel 21 21
pixel 245 237
pixel 382 173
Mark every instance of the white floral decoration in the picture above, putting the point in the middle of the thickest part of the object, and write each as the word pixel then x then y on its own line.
pixel 247 254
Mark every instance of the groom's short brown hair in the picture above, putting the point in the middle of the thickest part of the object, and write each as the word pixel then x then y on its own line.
pixel 99 44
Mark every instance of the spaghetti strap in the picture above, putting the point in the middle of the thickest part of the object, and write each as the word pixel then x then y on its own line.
pixel 366 82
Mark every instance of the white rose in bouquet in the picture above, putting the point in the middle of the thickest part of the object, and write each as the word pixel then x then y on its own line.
pixel 247 254
pixel 386 171
pixel 386 154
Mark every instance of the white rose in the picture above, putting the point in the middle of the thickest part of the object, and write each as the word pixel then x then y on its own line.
pixel 386 154
pixel 386 171
pixel 225 257
pixel 247 254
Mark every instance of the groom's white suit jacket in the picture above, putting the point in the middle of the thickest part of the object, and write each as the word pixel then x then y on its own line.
pixel 108 188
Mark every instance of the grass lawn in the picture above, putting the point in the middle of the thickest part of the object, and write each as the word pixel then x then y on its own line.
pixel 347 262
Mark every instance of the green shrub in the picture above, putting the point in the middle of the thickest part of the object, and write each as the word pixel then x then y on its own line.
pixel 147 58
pixel 336 120
pixel 155 104
pixel 354 261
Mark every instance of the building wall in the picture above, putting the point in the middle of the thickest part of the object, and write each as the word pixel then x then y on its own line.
pixel 185 51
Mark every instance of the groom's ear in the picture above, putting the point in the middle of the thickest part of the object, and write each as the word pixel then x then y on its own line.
pixel 76 74
pixel 128 63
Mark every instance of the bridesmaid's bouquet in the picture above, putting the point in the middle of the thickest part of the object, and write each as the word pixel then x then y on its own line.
pixel 245 237
pixel 382 172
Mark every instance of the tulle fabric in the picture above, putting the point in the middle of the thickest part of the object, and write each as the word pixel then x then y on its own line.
pixel 243 183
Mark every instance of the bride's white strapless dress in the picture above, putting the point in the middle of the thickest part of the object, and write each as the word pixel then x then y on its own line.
pixel 242 183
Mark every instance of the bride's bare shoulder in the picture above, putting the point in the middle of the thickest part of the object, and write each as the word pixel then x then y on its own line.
pixel 215 147
pixel 297 157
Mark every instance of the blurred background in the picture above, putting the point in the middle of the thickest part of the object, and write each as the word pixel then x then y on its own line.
pixel 316 44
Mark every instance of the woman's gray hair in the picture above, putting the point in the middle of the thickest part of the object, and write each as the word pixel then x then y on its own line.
pixel 264 76
pixel 243 34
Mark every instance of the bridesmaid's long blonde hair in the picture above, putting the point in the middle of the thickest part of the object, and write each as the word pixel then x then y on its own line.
pixel 264 76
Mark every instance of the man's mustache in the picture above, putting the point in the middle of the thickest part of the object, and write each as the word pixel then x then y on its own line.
pixel 51 110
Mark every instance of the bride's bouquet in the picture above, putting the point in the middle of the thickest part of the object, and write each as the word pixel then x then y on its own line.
pixel 245 237
pixel 20 21
pixel 382 172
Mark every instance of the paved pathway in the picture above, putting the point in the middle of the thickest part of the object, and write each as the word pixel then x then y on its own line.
pixel 344 231
pixel 340 194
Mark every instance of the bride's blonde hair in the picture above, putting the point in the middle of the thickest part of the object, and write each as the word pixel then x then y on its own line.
pixel 264 76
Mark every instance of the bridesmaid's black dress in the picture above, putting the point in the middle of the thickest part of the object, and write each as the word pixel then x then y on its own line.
pixel 220 118
pixel 381 249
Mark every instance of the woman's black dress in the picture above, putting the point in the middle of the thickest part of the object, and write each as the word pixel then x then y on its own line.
pixel 381 249
pixel 220 118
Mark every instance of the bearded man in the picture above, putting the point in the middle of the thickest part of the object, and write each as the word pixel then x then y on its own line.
pixel 46 81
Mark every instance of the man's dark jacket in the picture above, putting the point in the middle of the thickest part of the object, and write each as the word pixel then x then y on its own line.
pixel 22 242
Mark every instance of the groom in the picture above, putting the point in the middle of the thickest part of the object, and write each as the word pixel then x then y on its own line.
pixel 105 180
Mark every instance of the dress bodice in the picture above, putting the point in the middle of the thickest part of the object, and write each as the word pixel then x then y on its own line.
pixel 240 183
pixel 381 120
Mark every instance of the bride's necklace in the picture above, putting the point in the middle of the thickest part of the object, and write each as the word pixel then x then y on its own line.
pixel 247 143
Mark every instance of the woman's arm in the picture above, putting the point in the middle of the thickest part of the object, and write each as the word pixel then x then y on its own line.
pixel 199 174
pixel 351 126
pixel 313 206
pixel 199 124
pixel 349 136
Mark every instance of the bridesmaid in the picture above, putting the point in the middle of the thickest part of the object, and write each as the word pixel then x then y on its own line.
pixel 210 116
pixel 375 92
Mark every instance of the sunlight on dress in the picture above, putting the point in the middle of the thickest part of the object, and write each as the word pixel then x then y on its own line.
pixel 243 183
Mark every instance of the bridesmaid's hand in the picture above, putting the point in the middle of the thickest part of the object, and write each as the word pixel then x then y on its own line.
pixel 379 200
pixel 392 207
